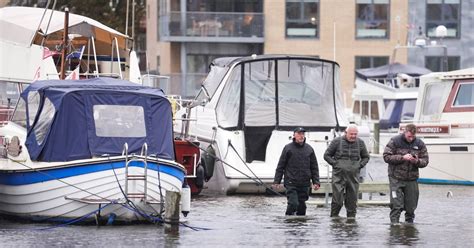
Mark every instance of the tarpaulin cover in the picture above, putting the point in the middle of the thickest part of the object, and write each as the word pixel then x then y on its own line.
pixel 391 70
pixel 70 130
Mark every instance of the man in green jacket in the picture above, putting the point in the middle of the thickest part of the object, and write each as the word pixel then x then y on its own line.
pixel 347 155
pixel 405 154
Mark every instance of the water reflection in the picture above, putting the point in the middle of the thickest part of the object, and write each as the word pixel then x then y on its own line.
pixel 344 230
pixel 296 231
pixel 404 234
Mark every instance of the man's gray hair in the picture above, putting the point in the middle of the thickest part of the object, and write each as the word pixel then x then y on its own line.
pixel 352 126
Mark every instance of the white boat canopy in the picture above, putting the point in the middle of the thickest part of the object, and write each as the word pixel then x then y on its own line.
pixel 21 25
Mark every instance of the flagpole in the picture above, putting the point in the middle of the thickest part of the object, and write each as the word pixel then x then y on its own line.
pixel 64 50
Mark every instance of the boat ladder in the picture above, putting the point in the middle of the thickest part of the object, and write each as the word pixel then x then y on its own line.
pixel 136 177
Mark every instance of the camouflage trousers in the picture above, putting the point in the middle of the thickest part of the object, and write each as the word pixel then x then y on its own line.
pixel 403 197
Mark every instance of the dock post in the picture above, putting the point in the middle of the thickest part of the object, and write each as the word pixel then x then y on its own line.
pixel 172 200
pixel 376 137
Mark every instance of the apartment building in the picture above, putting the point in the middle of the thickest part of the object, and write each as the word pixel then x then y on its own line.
pixel 183 36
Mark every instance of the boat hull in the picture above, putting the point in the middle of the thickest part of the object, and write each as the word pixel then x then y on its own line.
pixel 79 191
pixel 449 164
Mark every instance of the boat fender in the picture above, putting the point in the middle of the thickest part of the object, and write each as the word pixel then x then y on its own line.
pixel 111 219
pixel 208 159
pixel 185 200
pixel 200 173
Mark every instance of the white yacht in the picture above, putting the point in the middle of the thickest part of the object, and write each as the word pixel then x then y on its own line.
pixel 247 109
pixel 445 121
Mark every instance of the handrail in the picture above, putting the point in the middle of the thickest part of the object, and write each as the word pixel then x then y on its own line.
pixel 144 151
pixel 125 149
pixel 95 57
pixel 118 56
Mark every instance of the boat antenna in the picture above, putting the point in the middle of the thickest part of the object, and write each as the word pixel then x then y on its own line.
pixel 126 18
pixel 65 41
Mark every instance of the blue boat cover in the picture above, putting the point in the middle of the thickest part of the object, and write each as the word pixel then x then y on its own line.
pixel 71 132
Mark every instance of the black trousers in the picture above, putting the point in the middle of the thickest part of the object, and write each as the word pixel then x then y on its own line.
pixel 297 197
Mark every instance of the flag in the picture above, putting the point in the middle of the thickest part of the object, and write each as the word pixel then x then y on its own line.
pixel 74 74
pixel 48 53
pixel 76 54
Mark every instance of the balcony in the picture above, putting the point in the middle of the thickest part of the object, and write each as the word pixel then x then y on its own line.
pixel 212 27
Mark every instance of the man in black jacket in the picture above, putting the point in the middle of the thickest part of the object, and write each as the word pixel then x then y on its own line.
pixel 347 155
pixel 299 166
pixel 405 154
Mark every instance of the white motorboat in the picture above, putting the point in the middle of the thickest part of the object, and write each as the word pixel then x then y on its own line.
pixel 445 121
pixel 385 95
pixel 247 109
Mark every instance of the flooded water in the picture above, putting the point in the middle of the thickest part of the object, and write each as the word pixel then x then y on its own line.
pixel 444 218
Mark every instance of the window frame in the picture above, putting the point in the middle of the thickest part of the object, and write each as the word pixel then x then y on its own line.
pixel 458 58
pixel 449 107
pixel 387 36
pixel 300 20
pixel 443 22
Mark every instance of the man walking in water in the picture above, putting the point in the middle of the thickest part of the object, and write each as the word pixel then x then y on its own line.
pixel 299 166
pixel 405 154
pixel 347 155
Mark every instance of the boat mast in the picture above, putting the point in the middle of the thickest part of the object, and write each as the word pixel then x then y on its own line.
pixel 65 41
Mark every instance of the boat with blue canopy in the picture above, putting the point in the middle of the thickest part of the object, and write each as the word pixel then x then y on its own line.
pixel 88 148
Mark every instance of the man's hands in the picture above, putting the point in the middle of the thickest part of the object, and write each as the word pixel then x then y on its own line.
pixel 280 186
pixel 277 186
pixel 316 186
pixel 412 159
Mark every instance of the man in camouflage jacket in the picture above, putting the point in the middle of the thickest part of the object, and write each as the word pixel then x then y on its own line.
pixel 405 154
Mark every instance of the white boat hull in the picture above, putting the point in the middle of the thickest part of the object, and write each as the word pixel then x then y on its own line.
pixel 57 197
pixel 447 166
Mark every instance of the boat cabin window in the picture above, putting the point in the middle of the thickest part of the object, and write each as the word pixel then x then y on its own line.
pixel 44 121
pixel 433 103
pixel 215 76
pixel 356 108
pixel 19 117
pixel 33 105
pixel 9 93
pixel 374 110
pixel 119 121
pixel 408 110
pixel 465 95
pixel 302 96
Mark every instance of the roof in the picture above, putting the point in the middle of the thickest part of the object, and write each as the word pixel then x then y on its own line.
pixel 228 61
pixel 102 83
pixel 19 24
pixel 386 71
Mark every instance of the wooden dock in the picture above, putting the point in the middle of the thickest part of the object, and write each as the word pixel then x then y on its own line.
pixel 366 187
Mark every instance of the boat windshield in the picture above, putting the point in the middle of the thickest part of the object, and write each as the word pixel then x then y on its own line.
pixel 284 93
pixel 9 95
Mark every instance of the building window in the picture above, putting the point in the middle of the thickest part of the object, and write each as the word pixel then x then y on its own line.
pixel 372 18
pixel 302 18
pixel 370 62
pixel 443 12
pixel 435 63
